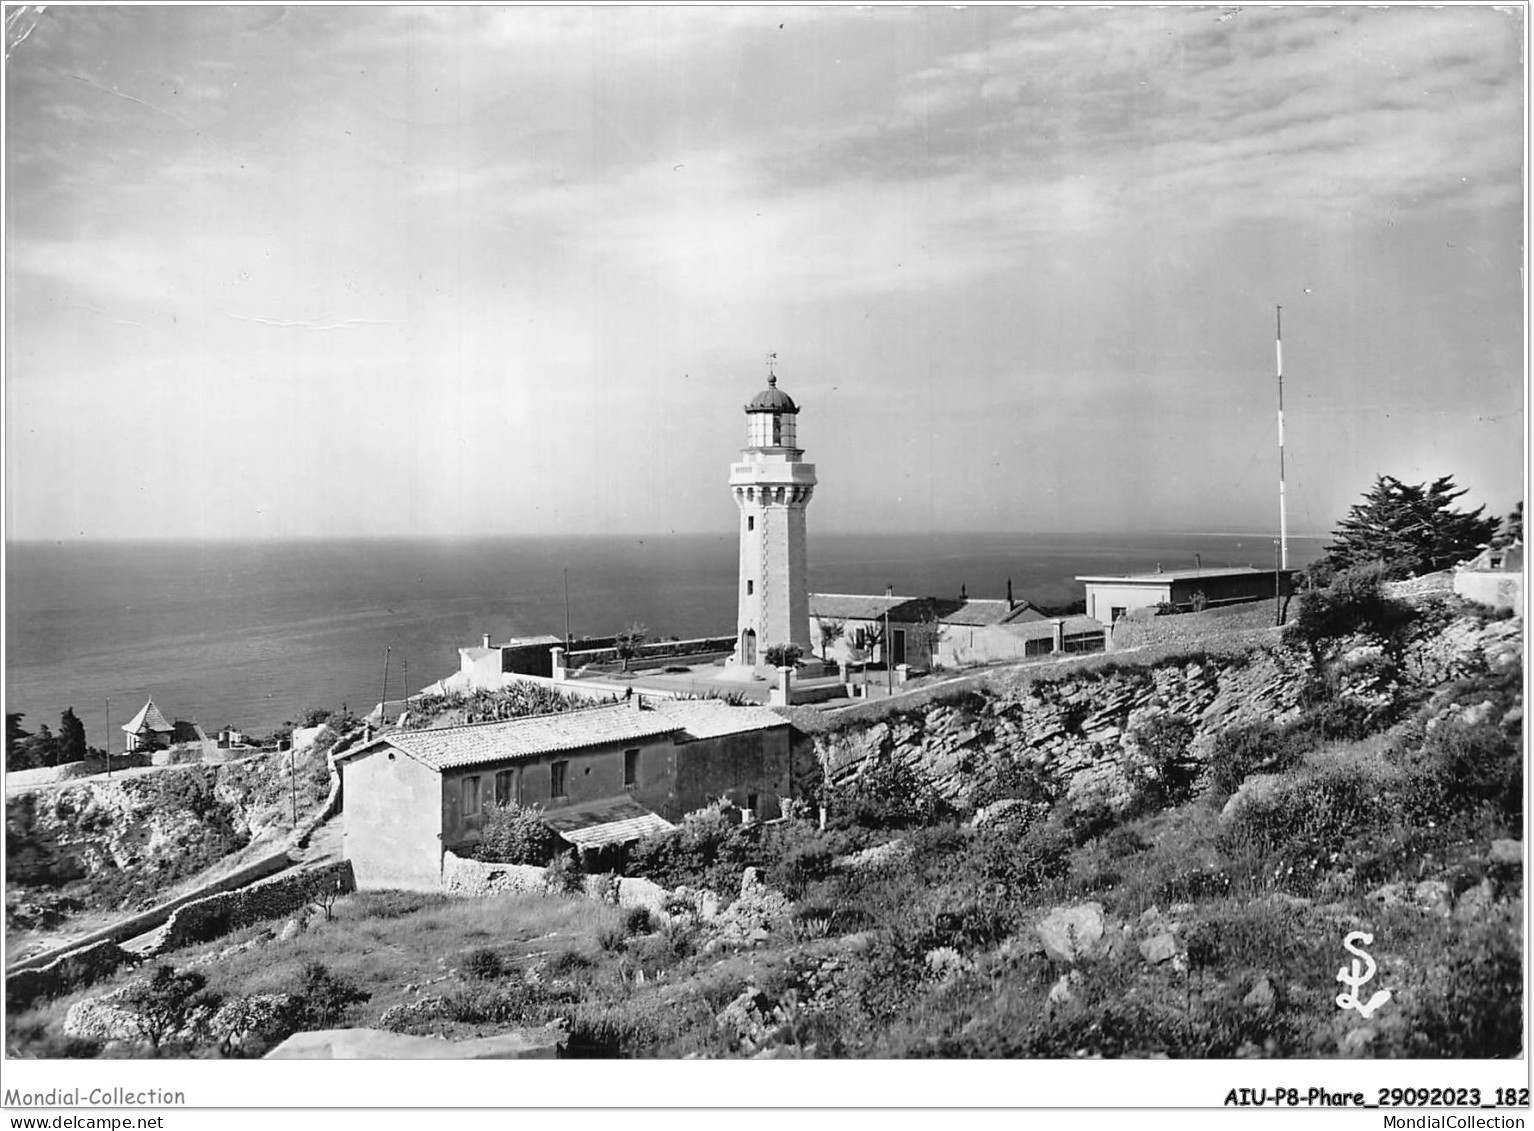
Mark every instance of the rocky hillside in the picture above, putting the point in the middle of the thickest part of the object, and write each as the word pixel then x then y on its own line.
pixel 1086 730
pixel 120 842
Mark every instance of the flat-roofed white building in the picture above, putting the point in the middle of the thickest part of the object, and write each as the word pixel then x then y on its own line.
pixel 1110 597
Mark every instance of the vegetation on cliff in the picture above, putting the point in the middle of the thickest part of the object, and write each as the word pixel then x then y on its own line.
pixel 1141 860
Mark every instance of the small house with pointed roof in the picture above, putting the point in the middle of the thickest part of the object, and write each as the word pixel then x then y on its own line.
pixel 408 796
pixel 149 729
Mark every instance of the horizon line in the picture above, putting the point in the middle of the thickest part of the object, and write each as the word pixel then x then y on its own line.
pixel 245 539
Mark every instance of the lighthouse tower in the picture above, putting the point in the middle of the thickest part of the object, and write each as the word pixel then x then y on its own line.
pixel 772 486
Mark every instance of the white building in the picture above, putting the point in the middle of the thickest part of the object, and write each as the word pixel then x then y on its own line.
pixel 772 486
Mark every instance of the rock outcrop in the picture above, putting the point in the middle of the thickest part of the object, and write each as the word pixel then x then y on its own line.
pixel 1083 728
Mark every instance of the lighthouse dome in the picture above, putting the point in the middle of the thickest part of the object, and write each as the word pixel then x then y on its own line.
pixel 772 399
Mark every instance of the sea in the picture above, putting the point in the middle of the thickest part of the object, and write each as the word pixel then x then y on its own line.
pixel 252 634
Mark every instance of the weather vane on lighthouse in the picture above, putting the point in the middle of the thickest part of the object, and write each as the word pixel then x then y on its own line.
pixel 772 361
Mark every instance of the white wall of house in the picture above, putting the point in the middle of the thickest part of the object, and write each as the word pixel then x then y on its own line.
pixel 1103 598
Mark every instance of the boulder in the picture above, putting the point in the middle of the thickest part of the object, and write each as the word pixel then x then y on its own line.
pixel 1434 896
pixel 636 892
pixel 1159 948
pixel 1256 788
pixel 1476 902
pixel 378 1044
pixel 1072 934
pixel 1357 1041
pixel 1063 992
pixel 1506 851
pixel 1261 995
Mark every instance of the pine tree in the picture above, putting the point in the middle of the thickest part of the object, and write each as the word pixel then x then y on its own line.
pixel 16 753
pixel 1512 527
pixel 40 749
pixel 72 746
pixel 1409 529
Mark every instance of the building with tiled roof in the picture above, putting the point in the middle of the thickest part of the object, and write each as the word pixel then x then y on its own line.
pixel 917 627
pixel 150 730
pixel 409 795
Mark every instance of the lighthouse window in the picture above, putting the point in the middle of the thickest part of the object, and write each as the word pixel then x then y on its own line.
pixel 750 587
pixel 751 522
pixel 777 429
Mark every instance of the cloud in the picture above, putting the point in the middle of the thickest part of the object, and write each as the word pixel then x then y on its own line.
pixel 1279 113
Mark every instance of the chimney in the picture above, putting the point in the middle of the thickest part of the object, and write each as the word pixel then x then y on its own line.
pixel 484 641
pixel 1010 603
pixel 963 592
pixel 889 590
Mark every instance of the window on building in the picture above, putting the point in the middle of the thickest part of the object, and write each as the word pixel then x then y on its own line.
pixel 750 587
pixel 503 788
pixel 1115 612
pixel 557 778
pixel 750 522
pixel 751 802
pixel 471 797
pixel 630 768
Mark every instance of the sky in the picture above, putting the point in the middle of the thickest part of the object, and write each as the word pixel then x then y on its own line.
pixel 376 271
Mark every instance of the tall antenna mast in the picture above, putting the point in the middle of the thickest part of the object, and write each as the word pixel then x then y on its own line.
pixel 1283 510
pixel 568 644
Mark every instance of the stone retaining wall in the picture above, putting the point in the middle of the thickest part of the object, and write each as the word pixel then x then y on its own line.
pixel 69 971
pixel 216 915
pixel 476 878
pixel 146 921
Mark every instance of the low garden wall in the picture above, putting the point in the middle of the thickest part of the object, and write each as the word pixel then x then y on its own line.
pixel 146 921
pixel 68 971
pixel 198 918
pixel 467 877
pixel 656 653
pixel 216 915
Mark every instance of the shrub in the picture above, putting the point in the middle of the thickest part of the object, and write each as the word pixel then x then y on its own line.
pixel 1301 831
pixel 165 1003
pixel 1020 863
pixel 1167 775
pixel 482 964
pixel 567 962
pixel 504 1003
pixel 637 921
pixel 1242 751
pixel 392 904
pixel 888 794
pixel 782 655
pixel 321 998
pixel 1474 1007
pixel 709 849
pixel 1353 603
pixel 563 874
pixel 1012 778
pixel 516 834
pixel 802 864
pixel 1462 767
